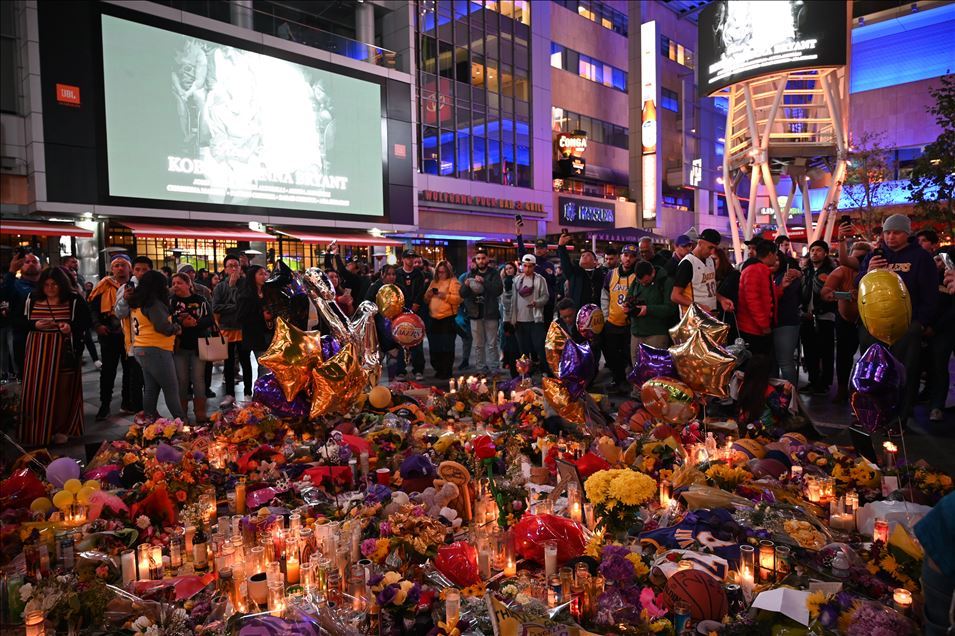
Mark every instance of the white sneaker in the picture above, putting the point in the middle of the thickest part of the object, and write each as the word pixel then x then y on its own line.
pixel 936 415
pixel 419 377
pixel 98 364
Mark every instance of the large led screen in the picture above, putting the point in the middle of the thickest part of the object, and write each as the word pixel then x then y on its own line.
pixel 192 120
pixel 742 39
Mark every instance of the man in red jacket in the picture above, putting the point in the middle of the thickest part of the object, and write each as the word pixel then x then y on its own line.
pixel 758 297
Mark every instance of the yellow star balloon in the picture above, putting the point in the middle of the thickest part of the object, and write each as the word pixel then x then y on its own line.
pixel 554 343
pixel 696 318
pixel 703 365
pixel 291 356
pixel 337 382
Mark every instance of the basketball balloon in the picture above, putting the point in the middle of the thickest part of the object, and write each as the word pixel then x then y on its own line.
pixel 408 330
pixel 885 306
pixel 700 591
pixel 749 447
pixel 668 400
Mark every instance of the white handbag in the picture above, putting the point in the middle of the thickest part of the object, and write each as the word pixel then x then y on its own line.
pixel 214 347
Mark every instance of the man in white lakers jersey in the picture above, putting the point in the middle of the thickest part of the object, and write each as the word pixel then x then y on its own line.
pixel 695 280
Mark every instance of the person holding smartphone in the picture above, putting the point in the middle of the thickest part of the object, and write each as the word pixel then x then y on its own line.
pixel 443 298
pixel 840 287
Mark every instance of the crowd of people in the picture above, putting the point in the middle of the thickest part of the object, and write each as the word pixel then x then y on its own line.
pixel 788 311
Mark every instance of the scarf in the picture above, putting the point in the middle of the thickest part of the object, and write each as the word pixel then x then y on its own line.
pixel 107 288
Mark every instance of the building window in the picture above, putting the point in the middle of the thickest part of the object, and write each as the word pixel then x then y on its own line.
pixel 474 89
pixel 676 52
pixel 669 100
pixel 598 131
pixel 9 59
pixel 587 67
pixel 599 12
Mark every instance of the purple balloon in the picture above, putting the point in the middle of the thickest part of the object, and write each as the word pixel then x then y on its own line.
pixel 873 410
pixel 577 367
pixel 651 363
pixel 878 371
pixel 585 321
pixel 62 470
pixel 268 393
pixel 330 346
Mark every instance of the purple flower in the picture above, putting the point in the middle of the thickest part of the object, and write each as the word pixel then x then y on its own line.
pixel 375 579
pixel 344 453
pixel 369 546
pixel 614 551
pixel 618 570
pixel 414 594
pixel 377 493
pixel 384 528
pixel 387 595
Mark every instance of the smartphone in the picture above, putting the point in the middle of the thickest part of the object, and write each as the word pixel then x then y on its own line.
pixel 845 219
pixel 842 295
pixel 23 251
pixel 563 230
pixel 519 220
pixel 878 252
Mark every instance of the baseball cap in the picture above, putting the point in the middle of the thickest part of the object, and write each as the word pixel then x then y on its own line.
pixel 185 268
pixel 683 241
pixel 540 243
pixel 408 254
pixel 529 258
pixel 629 249
pixel 782 238
pixel 820 243
pixel 480 250
pixel 711 236
pixel 611 251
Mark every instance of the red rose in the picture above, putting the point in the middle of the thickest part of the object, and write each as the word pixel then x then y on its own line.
pixel 484 447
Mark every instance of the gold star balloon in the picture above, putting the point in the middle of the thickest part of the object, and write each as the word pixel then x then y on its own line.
pixel 696 318
pixel 554 346
pixel 559 399
pixel 291 356
pixel 703 365
pixel 337 382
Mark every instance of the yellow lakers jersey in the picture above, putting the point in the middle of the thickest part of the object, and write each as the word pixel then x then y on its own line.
pixel 617 290
pixel 145 334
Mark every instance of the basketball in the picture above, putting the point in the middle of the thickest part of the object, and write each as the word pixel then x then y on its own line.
pixel 700 591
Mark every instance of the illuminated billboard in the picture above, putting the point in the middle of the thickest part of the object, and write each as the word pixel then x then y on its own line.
pixel 742 39
pixel 196 121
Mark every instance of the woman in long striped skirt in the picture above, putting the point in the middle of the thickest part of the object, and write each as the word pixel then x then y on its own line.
pixel 51 399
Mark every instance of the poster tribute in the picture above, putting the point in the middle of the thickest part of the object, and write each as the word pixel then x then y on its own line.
pixel 192 120
pixel 742 39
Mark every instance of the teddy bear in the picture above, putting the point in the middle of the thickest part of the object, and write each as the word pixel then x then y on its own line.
pixel 399 500
pixel 435 499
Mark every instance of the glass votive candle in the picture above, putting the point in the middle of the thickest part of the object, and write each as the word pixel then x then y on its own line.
pixel 34 622
pixel 550 558
pixel 767 560
pixel 276 597
pixel 256 559
pixel 452 606
pixel 782 561
pixel 880 530
pixel 544 507
pixel 902 599
pixel 307 576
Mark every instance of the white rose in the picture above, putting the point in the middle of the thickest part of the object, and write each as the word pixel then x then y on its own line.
pixel 142 623
pixel 142 522
pixel 26 591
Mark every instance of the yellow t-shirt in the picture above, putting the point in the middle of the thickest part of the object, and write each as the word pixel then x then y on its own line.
pixel 145 334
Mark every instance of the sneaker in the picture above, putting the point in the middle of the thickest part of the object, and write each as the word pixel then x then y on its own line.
pixel 936 415
pixel 102 414
pixel 418 377
pixel 98 364
pixel 226 402
pixel 210 393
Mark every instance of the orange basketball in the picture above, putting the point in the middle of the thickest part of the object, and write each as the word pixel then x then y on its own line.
pixel 700 591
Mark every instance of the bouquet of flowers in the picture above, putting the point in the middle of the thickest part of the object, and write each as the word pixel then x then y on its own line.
pixel 727 477
pixel 414 533
pixel 617 495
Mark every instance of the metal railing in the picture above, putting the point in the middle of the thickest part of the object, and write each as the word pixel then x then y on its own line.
pixel 292 30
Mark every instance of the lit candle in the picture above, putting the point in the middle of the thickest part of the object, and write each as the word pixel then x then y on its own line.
pixel 844 522
pixel 292 569
pixel 452 607
pixel 451 386
pixel 880 530
pixel 747 582
pixel 767 560
pixel 34 623
pixel 500 397
pixel 795 471
pixel 890 452
pixel 240 496
pixel 143 552
pixel 510 555
pixel 728 451
pixel 276 598
pixel 852 502
pixel 575 512
pixel 665 493
pixel 550 558
pixel 510 566
pixel 902 599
